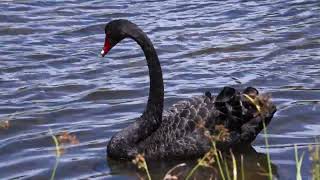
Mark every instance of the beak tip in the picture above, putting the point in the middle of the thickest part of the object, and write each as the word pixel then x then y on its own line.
pixel 102 53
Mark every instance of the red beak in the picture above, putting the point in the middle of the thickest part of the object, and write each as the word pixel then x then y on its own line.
pixel 106 47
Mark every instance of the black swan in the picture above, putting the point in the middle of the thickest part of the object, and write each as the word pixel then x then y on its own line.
pixel 182 131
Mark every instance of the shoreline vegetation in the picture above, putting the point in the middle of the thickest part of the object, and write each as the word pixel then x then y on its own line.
pixel 228 166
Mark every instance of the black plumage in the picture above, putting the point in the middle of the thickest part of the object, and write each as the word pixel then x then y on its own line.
pixel 182 131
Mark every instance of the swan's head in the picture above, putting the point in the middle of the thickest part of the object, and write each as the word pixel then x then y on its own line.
pixel 115 31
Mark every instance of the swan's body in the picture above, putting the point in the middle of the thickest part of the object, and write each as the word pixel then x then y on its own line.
pixel 182 131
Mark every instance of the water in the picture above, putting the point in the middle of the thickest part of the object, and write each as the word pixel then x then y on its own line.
pixel 51 75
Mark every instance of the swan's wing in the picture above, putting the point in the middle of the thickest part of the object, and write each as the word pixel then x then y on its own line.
pixel 182 131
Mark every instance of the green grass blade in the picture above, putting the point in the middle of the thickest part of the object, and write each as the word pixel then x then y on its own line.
pixel 298 162
pixel 147 170
pixel 58 154
pixel 225 166
pixel 218 161
pixel 267 149
pixel 56 142
pixel 53 174
pixel 242 168
pixel 234 166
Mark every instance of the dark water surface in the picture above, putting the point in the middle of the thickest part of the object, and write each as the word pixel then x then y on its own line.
pixel 51 75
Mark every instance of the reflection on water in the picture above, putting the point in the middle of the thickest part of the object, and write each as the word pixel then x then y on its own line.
pixel 51 75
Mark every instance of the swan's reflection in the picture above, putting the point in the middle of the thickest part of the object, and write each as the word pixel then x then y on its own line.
pixel 254 164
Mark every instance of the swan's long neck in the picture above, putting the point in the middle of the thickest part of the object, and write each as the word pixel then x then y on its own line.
pixel 124 144
pixel 156 92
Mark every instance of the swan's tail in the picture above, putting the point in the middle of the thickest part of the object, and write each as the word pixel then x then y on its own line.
pixel 244 113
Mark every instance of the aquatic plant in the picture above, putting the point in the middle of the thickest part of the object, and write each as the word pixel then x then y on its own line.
pixel 60 140
pixel 58 154
pixel 315 160
pixel 268 153
pixel 298 162
pixel 219 162
pixel 141 163
pixel 170 176
pixel 213 155
pixel 242 168
pixel 207 160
